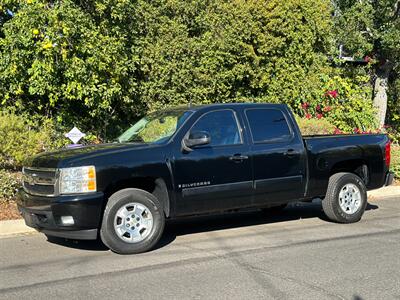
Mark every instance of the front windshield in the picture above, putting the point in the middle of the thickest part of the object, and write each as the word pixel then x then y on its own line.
pixel 155 128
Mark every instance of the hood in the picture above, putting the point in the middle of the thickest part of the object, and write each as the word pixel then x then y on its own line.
pixel 55 158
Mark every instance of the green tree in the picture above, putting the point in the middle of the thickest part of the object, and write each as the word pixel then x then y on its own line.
pixel 371 29
pixel 98 64
pixel 57 60
pixel 229 51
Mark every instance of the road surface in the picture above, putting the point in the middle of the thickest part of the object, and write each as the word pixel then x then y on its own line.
pixel 298 255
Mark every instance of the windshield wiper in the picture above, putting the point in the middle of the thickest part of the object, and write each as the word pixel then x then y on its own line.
pixel 135 140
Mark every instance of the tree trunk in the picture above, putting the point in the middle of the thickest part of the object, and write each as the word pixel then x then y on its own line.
pixel 380 92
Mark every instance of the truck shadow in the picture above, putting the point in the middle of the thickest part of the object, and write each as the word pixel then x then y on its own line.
pixel 192 225
pixel 95 245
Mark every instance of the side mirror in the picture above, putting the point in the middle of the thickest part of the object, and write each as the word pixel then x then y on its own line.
pixel 196 138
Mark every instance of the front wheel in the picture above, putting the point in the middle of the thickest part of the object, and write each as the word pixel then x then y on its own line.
pixel 346 198
pixel 133 222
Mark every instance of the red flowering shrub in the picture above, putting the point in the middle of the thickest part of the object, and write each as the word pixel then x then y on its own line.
pixel 343 103
pixel 337 131
pixel 305 105
pixel 327 108
pixel 333 94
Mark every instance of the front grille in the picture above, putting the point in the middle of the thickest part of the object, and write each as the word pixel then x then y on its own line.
pixel 39 181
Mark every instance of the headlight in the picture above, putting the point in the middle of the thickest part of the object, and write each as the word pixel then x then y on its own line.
pixel 77 180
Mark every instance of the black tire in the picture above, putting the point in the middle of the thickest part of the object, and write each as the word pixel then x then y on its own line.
pixel 331 202
pixel 274 210
pixel 109 235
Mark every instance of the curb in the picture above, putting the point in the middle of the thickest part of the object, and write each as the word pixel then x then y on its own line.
pixel 387 191
pixel 13 227
pixel 9 228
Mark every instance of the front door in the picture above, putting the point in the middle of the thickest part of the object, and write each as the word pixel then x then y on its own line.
pixel 216 176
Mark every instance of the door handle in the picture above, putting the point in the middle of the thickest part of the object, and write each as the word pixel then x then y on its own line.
pixel 238 157
pixel 290 153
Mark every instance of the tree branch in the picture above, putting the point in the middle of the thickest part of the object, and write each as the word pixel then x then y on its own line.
pixel 396 10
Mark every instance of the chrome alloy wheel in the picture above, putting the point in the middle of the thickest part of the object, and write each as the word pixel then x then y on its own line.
pixel 133 222
pixel 350 198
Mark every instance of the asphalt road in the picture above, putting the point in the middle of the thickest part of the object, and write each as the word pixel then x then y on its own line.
pixel 298 255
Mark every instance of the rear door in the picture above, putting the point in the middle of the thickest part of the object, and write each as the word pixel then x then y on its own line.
pixel 278 156
pixel 217 176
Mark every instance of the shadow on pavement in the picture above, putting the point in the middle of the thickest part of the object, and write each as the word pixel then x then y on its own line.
pixel 191 225
pixel 371 206
pixel 294 211
pixel 95 245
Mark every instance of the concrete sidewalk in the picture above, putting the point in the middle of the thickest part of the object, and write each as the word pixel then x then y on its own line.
pixel 12 227
pixel 388 191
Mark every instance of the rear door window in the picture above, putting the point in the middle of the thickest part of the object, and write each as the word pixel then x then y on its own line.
pixel 268 125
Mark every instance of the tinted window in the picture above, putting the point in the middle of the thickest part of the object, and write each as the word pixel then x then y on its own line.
pixel 267 125
pixel 221 126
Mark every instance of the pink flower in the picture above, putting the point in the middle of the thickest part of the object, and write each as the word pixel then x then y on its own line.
pixel 327 108
pixel 308 116
pixel 319 116
pixel 337 131
pixel 318 108
pixel 305 105
pixel 333 93
pixel 357 130
pixel 367 59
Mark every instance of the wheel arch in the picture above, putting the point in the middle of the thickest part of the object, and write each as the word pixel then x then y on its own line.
pixel 155 186
pixel 358 167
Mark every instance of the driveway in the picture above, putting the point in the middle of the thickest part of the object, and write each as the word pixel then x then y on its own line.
pixel 248 255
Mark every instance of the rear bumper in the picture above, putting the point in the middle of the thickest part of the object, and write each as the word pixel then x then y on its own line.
pixel 389 178
pixel 45 214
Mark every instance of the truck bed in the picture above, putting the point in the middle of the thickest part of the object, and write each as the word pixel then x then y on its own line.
pixel 324 153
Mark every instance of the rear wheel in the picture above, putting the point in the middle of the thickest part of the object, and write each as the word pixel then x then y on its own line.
pixel 346 198
pixel 133 222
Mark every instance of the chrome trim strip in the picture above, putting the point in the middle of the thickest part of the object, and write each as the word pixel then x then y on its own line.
pixel 40 169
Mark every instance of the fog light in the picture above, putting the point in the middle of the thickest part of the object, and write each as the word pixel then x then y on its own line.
pixel 67 220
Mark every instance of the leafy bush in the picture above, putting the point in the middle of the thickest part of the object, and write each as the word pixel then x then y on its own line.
pixel 100 64
pixel 22 138
pixel 395 161
pixel 9 183
pixel 345 104
pixel 315 126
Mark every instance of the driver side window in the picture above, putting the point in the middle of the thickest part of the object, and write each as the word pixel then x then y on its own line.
pixel 222 127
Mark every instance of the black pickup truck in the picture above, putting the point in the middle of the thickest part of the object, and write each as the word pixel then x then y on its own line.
pixel 198 160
